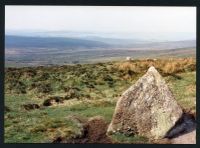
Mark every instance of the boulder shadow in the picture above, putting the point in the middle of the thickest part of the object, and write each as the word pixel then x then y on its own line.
pixel 186 124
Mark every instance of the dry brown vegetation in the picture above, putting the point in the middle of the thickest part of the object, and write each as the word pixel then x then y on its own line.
pixel 165 66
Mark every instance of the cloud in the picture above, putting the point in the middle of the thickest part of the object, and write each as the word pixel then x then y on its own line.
pixel 101 18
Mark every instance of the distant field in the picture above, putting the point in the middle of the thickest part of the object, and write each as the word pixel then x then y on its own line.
pixel 85 90
pixel 36 51
pixel 87 56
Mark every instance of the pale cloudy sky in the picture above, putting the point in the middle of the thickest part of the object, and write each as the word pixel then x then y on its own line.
pixel 101 18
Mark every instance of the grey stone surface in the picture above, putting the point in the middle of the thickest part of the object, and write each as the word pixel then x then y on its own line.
pixel 148 108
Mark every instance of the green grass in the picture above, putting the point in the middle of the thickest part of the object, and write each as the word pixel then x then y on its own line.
pixel 185 90
pixel 93 90
pixel 121 138
pixel 28 125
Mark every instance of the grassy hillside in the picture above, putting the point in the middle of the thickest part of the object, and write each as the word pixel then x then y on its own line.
pixel 86 90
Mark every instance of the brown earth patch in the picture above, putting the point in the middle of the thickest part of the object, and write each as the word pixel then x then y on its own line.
pixel 94 131
pixel 6 109
pixel 30 106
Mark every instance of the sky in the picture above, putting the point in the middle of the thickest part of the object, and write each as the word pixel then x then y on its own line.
pixel 122 19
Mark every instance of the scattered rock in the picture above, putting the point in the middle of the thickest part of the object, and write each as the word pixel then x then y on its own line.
pixel 53 100
pixel 30 106
pixel 147 108
pixel 128 58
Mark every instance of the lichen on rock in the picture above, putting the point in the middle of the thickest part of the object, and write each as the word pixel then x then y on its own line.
pixel 148 108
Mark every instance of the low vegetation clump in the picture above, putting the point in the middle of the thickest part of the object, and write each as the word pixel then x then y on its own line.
pixel 39 99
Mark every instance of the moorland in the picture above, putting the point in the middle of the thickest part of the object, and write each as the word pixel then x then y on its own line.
pixel 42 102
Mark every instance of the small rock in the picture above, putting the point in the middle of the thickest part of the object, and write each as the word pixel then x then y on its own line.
pixel 53 100
pixel 128 58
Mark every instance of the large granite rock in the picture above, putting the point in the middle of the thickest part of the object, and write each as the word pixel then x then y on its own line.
pixel 147 108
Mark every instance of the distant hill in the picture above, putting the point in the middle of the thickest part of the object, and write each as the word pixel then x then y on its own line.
pixel 34 51
pixel 144 44
pixel 50 42
pixel 91 42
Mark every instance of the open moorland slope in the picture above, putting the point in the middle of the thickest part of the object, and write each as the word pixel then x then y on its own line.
pixel 50 104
